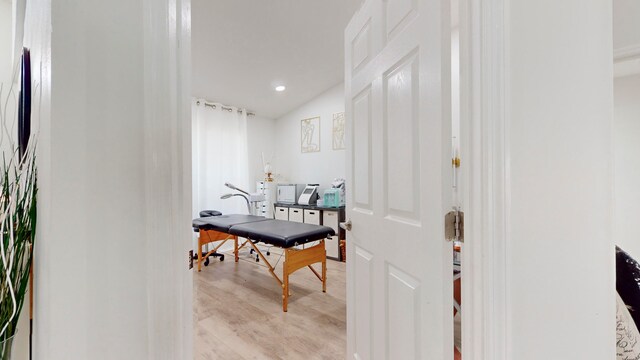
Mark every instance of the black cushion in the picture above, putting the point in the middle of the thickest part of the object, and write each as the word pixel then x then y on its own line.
pixel 207 213
pixel 281 233
pixel 222 223
pixel 628 283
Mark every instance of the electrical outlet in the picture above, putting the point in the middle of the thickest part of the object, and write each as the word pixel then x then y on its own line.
pixel 190 259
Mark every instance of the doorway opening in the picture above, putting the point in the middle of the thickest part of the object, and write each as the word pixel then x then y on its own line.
pixel 269 141
pixel 281 131
pixel 626 164
pixel 457 185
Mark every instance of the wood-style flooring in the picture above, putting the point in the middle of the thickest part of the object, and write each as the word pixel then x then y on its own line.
pixel 238 312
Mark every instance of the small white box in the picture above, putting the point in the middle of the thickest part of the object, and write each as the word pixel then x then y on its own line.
pixel 333 247
pixel 331 219
pixel 296 214
pixel 312 217
pixel 282 213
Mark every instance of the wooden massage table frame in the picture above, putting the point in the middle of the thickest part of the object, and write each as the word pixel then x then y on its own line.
pixel 294 259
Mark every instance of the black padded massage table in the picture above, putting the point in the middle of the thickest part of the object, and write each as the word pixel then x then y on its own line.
pixel 285 234
pixel 200 255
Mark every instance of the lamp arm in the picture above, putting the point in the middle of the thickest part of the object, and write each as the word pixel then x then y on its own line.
pixel 233 187
pixel 247 200
pixel 248 205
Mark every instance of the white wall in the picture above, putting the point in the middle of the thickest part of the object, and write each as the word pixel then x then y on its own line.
pixel 626 37
pixel 626 27
pixel 261 135
pixel 627 163
pixel 110 276
pixel 561 252
pixel 6 42
pixel 7 66
pixel 320 167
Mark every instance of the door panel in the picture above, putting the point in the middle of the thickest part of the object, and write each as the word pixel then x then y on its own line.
pixel 401 160
pixel 397 74
pixel 362 150
pixel 363 271
pixel 361 46
pixel 403 313
pixel 399 13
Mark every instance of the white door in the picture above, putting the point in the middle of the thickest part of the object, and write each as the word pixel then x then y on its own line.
pixel 399 266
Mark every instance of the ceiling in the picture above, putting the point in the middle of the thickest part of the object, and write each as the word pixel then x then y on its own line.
pixel 242 49
pixel 626 23
pixel 626 37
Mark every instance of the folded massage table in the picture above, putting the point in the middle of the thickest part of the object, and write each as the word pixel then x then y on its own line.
pixel 285 234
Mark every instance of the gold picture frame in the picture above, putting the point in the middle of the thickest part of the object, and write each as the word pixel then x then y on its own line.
pixel 338 131
pixel 310 135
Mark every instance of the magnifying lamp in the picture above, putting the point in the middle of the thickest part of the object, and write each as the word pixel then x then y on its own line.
pixel 228 196
pixel 233 187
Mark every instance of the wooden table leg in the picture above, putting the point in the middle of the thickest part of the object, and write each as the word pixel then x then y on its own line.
pixel 266 262
pixel 235 247
pixel 199 252
pixel 324 268
pixel 285 287
pixel 324 276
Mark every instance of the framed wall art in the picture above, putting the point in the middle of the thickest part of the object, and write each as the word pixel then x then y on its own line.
pixel 310 135
pixel 338 131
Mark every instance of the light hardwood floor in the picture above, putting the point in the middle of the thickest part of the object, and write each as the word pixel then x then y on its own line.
pixel 238 312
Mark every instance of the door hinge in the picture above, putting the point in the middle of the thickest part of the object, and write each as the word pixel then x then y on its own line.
pixel 190 259
pixel 455 162
pixel 454 226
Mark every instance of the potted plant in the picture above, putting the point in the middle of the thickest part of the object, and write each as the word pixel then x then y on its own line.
pixel 18 192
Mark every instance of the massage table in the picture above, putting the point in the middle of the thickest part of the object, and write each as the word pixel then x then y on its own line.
pixel 199 255
pixel 284 234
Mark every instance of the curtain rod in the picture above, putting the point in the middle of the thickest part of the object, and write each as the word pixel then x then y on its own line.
pixel 224 107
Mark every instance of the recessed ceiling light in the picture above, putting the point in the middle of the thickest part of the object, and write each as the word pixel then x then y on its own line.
pixel 280 88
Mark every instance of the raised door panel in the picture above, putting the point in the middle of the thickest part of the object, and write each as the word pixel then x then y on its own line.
pixel 399 14
pixel 363 298
pixel 362 152
pixel 401 142
pixel 361 47
pixel 403 314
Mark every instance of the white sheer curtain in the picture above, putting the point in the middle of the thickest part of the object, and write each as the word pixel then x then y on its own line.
pixel 219 156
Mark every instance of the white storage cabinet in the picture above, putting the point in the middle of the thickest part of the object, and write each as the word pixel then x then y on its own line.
pixel 282 213
pixel 332 220
pixel 296 215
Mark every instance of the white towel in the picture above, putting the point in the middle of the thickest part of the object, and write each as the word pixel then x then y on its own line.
pixel 627 336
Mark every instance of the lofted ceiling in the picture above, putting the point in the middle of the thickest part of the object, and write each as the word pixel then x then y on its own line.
pixel 242 49
pixel 626 24
pixel 626 37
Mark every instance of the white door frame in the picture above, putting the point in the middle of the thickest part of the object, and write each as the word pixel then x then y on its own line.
pixel 485 178
pixel 167 146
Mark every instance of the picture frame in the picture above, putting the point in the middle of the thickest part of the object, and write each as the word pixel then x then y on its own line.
pixel 338 131
pixel 310 135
